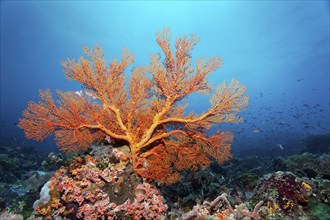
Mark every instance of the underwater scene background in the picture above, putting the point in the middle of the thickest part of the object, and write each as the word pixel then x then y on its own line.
pixel 277 50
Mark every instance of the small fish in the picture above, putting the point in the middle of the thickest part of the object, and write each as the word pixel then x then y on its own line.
pixel 79 93
pixel 107 139
pixel 257 130
pixel 280 146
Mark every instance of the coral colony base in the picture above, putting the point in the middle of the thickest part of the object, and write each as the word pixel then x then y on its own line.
pixel 100 184
pixel 135 153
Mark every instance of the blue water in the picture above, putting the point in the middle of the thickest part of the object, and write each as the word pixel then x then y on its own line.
pixel 278 49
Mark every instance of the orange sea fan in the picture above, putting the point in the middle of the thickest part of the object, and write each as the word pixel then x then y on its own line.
pixel 147 112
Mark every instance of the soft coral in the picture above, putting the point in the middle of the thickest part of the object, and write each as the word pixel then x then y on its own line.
pixel 149 115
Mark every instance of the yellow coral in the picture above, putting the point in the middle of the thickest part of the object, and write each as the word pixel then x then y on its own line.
pixel 272 207
pixel 306 186
pixel 288 205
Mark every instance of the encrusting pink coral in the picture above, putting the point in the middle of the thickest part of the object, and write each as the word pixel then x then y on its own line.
pixel 81 191
pixel 147 204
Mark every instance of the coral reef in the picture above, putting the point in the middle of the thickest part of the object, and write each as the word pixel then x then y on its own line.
pixel 85 191
pixel 10 216
pixel 102 184
pixel 21 176
pixel 149 116
pixel 131 142
pixel 147 204
pixel 285 194
pixel 310 165
pixel 219 208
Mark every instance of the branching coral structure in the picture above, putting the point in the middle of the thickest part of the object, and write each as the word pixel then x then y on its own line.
pixel 148 112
